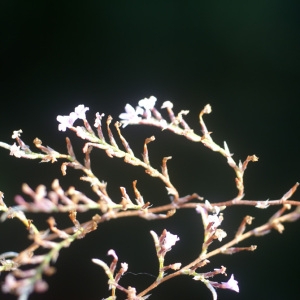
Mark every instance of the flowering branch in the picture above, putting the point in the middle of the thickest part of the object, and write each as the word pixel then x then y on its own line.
pixel 26 269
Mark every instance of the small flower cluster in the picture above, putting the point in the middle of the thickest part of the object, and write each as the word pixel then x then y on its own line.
pixel 15 150
pixel 134 115
pixel 211 222
pixel 68 121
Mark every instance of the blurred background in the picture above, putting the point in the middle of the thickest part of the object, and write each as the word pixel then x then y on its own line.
pixel 242 57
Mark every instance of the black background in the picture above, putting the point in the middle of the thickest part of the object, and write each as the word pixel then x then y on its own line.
pixel 242 57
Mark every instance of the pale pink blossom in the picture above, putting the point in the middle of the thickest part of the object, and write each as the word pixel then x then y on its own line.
pixel 80 111
pixel 148 103
pixel 220 234
pixel 131 115
pixel 175 266
pixel 231 284
pixel 98 119
pixel 112 253
pixel 16 133
pixel 167 104
pixel 214 220
pixel 15 150
pixel 66 121
pixel 169 241
pixel 124 267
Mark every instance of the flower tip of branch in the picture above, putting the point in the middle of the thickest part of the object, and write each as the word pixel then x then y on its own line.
pixel 207 109
pixel 167 104
pixel 148 103
pixel 16 133
pixel 15 151
pixel 290 192
pixel 231 284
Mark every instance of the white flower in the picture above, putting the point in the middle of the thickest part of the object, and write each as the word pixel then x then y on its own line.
pixel 148 103
pixel 15 150
pixel 131 115
pixel 98 119
pixel 214 220
pixel 262 204
pixel 231 284
pixel 124 267
pixel 220 234
pixel 16 134
pixel 167 104
pixel 169 241
pixel 80 111
pixel 175 266
pixel 66 121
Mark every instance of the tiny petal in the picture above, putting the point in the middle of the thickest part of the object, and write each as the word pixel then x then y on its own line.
pixel 15 150
pixel 220 234
pixel 207 109
pixel 131 115
pixel 167 104
pixel 16 133
pixel 66 121
pixel 112 253
pixel 80 111
pixel 231 284
pixel 170 240
pixel 175 266
pixel 98 119
pixel 262 204
pixel 214 220
pixel 124 267
pixel 148 103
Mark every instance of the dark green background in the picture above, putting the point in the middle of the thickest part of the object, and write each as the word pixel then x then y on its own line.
pixel 242 57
